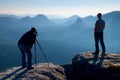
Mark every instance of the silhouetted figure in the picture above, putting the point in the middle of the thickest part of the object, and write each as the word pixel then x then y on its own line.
pixel 25 45
pixel 98 33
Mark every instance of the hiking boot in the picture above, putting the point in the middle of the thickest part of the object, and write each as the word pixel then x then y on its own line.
pixel 29 68
pixel 103 53
pixel 23 67
pixel 96 53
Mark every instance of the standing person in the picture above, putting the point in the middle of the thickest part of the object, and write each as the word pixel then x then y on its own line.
pixel 98 33
pixel 25 45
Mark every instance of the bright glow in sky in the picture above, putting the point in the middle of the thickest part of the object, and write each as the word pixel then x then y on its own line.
pixel 63 8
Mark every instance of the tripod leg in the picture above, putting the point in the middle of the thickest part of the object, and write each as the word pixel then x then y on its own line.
pixel 42 52
pixel 35 56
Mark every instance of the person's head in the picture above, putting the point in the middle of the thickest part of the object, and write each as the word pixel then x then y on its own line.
pixel 99 15
pixel 33 29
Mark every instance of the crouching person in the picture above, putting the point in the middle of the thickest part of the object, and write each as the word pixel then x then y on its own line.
pixel 25 45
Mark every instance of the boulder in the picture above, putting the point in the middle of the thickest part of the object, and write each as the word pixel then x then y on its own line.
pixel 90 66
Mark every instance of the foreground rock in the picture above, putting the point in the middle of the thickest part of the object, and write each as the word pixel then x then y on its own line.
pixel 42 72
pixel 84 66
pixel 87 66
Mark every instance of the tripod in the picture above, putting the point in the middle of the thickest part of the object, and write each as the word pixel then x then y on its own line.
pixel 41 52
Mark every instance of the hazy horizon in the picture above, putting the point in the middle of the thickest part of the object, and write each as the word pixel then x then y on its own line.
pixel 49 16
pixel 62 8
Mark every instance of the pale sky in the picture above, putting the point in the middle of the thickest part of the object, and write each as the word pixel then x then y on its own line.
pixel 63 8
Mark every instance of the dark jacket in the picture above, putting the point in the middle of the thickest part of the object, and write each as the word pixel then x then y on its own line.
pixel 28 38
pixel 99 25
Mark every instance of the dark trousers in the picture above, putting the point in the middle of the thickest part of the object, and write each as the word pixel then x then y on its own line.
pixel 99 37
pixel 26 52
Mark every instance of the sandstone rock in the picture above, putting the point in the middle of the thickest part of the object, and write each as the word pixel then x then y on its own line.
pixel 42 72
pixel 96 67
pixel 84 66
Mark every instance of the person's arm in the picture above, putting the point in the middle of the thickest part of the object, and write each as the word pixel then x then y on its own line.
pixel 103 27
pixel 33 38
pixel 96 27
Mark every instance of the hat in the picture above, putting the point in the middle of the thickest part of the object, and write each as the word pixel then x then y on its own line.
pixel 33 29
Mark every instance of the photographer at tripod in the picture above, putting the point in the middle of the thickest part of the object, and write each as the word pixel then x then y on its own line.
pixel 25 45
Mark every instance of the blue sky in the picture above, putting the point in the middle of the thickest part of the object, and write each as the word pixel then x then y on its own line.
pixel 63 8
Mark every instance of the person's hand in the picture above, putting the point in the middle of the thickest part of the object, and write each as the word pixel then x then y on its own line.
pixel 30 49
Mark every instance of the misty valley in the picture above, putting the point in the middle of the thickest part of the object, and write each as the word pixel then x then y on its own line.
pixel 60 39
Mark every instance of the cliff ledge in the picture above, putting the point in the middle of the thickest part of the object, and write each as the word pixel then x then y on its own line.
pixel 84 66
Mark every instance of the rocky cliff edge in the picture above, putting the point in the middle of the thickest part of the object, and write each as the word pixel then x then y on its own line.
pixel 84 66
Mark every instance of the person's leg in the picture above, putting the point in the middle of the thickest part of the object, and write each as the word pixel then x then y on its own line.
pixel 23 60
pixel 29 60
pixel 96 37
pixel 102 42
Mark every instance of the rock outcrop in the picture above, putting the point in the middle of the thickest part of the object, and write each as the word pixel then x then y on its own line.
pixel 84 66
pixel 42 72
pixel 89 66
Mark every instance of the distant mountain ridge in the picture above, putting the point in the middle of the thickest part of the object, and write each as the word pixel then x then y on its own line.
pixel 40 18
pixel 7 15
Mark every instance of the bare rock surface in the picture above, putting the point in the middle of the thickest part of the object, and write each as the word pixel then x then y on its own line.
pixel 43 71
pixel 84 66
pixel 104 66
